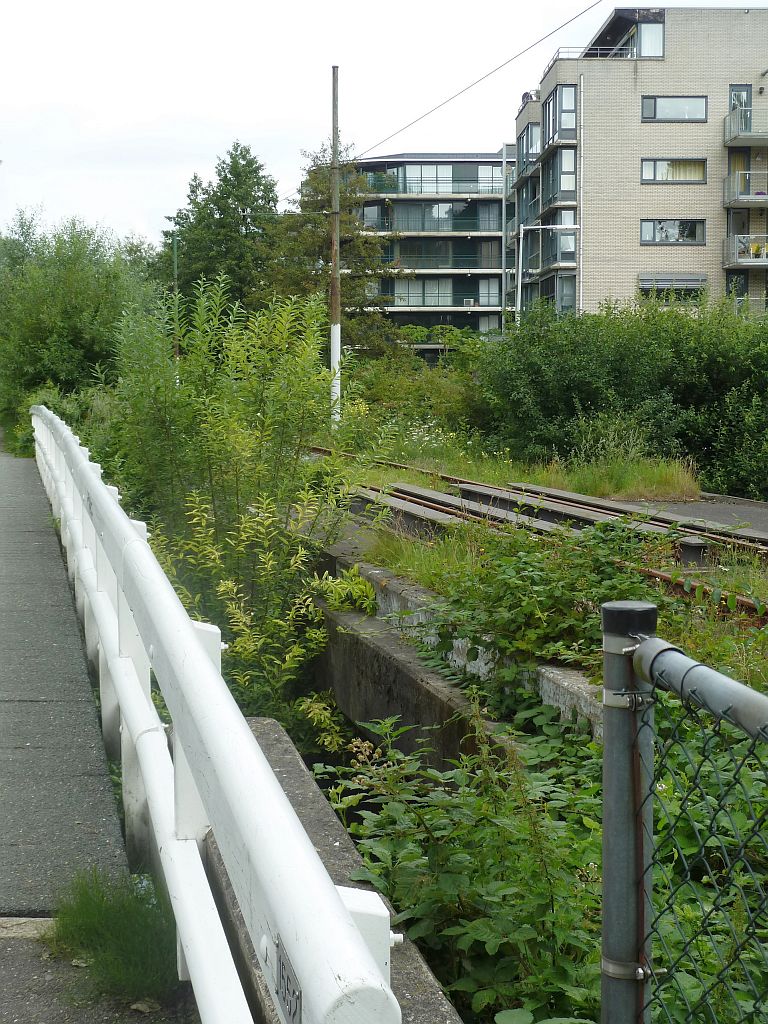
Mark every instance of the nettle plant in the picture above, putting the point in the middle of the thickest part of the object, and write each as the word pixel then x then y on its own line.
pixel 496 884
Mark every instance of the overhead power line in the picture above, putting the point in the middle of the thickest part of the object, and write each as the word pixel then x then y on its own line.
pixel 483 78
pixel 477 81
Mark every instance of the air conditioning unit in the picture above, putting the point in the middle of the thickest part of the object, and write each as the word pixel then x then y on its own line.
pixel 469 302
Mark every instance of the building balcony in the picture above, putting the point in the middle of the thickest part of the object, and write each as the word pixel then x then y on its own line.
pixel 561 255
pixel 750 307
pixel 468 306
pixel 434 225
pixel 435 263
pixel 746 188
pixel 746 127
pixel 388 185
pixel 745 252
pixel 527 168
pixel 599 52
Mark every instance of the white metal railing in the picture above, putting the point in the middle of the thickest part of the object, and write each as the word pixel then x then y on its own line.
pixel 324 950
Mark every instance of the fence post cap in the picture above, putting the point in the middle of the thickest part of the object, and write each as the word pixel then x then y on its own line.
pixel 629 618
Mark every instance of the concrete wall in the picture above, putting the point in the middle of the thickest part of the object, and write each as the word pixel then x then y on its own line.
pixel 371 669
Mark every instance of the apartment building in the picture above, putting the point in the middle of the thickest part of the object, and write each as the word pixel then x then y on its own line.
pixel 642 161
pixel 445 217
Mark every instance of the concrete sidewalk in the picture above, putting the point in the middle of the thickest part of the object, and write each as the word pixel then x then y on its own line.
pixel 57 809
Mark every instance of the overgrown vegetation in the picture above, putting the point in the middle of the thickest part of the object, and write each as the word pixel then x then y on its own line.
pixel 679 381
pixel 538 598
pixel 123 932
pixel 62 293
pixel 212 445
pixel 490 865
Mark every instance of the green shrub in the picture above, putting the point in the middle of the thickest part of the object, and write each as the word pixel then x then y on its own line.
pixel 670 377
pixel 62 294
pixel 497 886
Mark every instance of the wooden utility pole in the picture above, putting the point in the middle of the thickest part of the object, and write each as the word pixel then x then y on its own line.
pixel 335 270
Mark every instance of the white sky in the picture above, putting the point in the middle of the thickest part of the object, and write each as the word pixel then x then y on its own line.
pixel 109 108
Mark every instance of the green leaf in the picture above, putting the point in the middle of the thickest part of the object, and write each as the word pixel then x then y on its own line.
pixel 513 1017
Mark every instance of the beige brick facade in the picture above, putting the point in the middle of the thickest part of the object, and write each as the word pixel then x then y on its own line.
pixel 705 52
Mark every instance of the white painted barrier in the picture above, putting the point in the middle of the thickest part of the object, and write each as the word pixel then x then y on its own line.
pixel 324 950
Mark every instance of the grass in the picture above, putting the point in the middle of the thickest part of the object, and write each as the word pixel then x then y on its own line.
pixel 430 563
pixel 619 478
pixel 124 932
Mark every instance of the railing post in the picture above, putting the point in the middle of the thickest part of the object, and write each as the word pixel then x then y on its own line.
pixel 190 816
pixel 106 583
pixel 627 814
pixel 137 826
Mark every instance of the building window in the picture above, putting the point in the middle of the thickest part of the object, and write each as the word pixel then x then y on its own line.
pixel 678 171
pixel 674 108
pixel 528 147
pixel 566 292
pixel 678 287
pixel 736 284
pixel 651 40
pixel 488 322
pixel 559 114
pixel 488 291
pixel 672 232
pixel 559 246
pixel 410 291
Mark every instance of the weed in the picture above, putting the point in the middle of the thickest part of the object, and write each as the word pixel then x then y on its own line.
pixel 125 933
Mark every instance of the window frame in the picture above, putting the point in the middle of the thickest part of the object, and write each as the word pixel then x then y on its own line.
pixel 673 120
pixel 672 181
pixel 674 244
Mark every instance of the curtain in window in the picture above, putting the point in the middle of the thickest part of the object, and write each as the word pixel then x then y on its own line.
pixel 680 170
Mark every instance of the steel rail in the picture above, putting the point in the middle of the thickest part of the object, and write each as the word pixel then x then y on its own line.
pixel 756 541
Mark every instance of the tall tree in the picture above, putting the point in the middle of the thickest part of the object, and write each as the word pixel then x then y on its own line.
pixel 302 245
pixel 225 228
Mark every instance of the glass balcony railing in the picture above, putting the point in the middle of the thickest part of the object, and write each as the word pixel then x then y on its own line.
pixel 750 307
pixel 746 188
pixel 387 184
pixel 746 251
pixel 472 262
pixel 409 225
pixel 746 126
pixel 558 247
pixel 432 300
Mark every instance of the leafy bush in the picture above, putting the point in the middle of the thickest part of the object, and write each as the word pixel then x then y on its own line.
pixel 488 875
pixel 62 294
pixel 672 376
pixel 213 443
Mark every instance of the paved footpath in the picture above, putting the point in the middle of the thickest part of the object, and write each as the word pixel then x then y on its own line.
pixel 57 812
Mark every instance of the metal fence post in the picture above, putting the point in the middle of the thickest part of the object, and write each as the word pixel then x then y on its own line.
pixel 627 816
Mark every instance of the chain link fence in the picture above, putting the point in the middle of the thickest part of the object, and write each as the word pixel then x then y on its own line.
pixel 685 852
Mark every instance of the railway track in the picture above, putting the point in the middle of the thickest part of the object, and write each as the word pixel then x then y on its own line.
pixel 424 511
pixel 541 509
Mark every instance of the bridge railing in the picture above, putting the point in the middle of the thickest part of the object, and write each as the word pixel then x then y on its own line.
pixel 685 833
pixel 323 949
